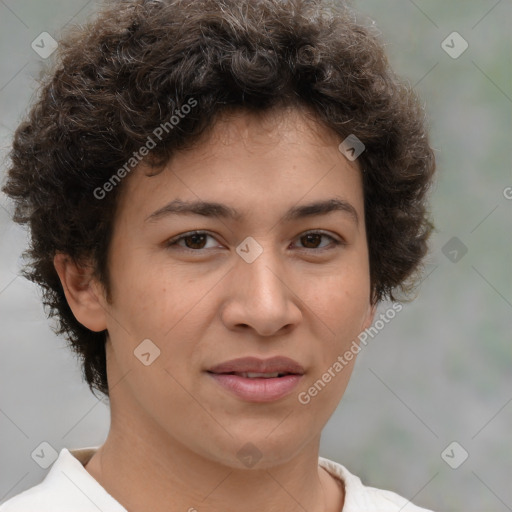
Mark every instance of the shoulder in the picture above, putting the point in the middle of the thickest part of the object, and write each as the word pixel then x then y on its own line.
pixel 27 500
pixel 67 486
pixel 361 497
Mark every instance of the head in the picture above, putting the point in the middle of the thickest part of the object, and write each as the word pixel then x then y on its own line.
pixel 238 103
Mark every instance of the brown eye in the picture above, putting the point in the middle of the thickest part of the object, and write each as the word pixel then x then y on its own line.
pixel 313 240
pixel 196 241
pixel 192 241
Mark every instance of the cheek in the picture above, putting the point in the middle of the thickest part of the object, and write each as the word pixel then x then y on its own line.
pixel 340 300
pixel 160 305
pixel 143 289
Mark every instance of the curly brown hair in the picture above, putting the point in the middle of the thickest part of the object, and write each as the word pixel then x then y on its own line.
pixel 137 62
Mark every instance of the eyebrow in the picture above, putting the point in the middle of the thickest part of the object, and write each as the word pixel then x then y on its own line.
pixel 222 211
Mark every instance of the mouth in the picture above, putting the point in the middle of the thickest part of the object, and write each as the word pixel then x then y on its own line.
pixel 254 380
pixel 253 367
pixel 255 375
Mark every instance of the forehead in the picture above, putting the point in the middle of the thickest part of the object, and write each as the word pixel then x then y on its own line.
pixel 251 163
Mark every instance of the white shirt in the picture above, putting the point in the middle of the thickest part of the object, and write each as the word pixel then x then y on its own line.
pixel 68 487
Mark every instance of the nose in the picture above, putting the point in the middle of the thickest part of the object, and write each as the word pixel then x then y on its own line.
pixel 260 296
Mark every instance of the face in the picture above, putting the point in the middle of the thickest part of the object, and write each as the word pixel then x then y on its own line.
pixel 264 278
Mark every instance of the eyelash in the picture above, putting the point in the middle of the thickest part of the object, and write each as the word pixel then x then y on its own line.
pixel 173 241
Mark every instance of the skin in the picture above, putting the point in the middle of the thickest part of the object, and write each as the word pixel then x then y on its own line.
pixel 175 432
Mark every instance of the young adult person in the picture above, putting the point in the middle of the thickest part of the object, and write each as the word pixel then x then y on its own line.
pixel 219 194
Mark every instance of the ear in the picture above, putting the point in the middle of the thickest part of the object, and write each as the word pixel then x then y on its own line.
pixel 84 294
pixel 369 316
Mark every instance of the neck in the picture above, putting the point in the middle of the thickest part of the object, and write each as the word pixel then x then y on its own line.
pixel 151 471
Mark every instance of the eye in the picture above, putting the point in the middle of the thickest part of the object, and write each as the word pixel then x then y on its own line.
pixel 312 239
pixel 194 240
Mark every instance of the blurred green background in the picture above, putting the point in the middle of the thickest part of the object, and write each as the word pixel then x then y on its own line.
pixel 440 372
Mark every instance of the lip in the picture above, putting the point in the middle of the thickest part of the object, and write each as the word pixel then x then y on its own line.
pixel 258 389
pixel 279 364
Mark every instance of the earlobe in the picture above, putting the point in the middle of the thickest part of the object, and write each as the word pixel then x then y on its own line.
pixel 372 308
pixel 82 295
